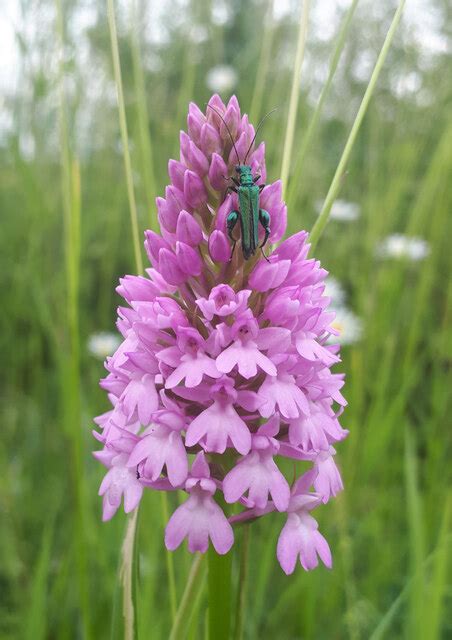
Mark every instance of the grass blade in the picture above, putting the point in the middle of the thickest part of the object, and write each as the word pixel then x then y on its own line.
pixel 333 191
pixel 145 143
pixel 294 94
pixel 35 621
pixel 124 134
pixel 295 180
pixel 263 64
pixel 192 591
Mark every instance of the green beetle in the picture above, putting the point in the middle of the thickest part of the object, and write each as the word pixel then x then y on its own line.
pixel 249 212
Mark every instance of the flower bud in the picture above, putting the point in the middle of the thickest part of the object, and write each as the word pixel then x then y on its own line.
pixel 210 140
pixel 188 230
pixel 137 288
pixel 271 196
pixel 195 120
pixel 194 190
pixel 218 172
pixel 153 243
pixel 193 156
pixel 212 116
pixel 268 275
pixel 167 216
pixel 293 247
pixel 188 259
pixel 176 172
pixel 278 223
pixel 169 268
pixel 241 147
pixel 219 247
pixel 231 122
pixel 224 210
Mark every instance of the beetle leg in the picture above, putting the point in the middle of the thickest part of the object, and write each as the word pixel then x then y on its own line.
pixel 261 186
pixel 235 181
pixel 231 221
pixel 256 178
pixel 231 188
pixel 264 219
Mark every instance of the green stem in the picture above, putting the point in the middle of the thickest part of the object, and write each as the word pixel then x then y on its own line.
pixel 124 134
pixel 127 577
pixel 169 562
pixel 69 360
pixel 219 581
pixel 295 181
pixel 294 94
pixel 147 163
pixel 264 61
pixel 241 595
pixel 340 171
pixel 189 598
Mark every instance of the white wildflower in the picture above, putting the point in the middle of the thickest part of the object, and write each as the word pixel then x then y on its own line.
pixel 342 210
pixel 398 245
pixel 349 326
pixel 103 344
pixel 221 78
pixel 335 291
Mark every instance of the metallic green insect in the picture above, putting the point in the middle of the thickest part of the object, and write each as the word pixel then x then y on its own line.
pixel 249 214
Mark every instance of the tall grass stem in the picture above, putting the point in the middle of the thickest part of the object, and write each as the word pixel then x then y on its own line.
pixel 263 64
pixel 145 141
pixel 219 581
pixel 124 134
pixel 189 597
pixel 294 94
pixel 243 579
pixel 295 180
pixel 169 561
pixel 69 359
pixel 127 577
pixel 322 220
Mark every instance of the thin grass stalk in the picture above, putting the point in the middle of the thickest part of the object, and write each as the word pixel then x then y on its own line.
pixel 69 362
pixel 124 134
pixel 346 552
pixel 219 581
pixel 295 181
pixel 169 561
pixel 294 94
pixel 416 534
pixel 130 537
pixel 380 632
pixel 439 579
pixel 145 142
pixel 263 64
pixel 192 590
pixel 243 578
pixel 127 577
pixel 333 191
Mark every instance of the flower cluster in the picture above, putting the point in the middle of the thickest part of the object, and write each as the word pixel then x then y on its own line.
pixel 224 370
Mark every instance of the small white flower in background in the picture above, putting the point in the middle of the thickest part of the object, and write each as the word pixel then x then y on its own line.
pixel 221 78
pixel 347 323
pixel 398 245
pixel 103 344
pixel 342 210
pixel 349 326
pixel 335 291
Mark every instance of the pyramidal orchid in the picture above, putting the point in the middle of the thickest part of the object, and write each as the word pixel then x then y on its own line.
pixel 225 366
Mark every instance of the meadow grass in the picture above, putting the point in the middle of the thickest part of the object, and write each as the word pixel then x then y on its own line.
pixel 62 251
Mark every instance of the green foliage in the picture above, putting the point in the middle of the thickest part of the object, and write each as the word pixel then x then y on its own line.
pixel 62 250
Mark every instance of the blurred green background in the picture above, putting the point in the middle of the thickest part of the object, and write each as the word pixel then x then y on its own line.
pixel 65 240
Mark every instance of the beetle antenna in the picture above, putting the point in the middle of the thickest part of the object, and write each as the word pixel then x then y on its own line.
pixel 227 129
pixel 257 130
